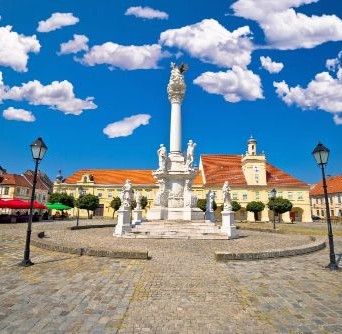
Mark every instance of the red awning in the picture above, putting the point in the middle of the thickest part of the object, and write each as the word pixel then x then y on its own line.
pixel 19 204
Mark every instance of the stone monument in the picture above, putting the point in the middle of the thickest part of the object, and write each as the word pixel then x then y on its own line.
pixel 228 221
pixel 209 210
pixel 124 213
pixel 174 199
pixel 137 212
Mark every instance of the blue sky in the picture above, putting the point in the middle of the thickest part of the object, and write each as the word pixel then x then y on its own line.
pixel 90 79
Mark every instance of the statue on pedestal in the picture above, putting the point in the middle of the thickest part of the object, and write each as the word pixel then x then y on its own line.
pixel 210 197
pixel 227 203
pixel 162 155
pixel 176 86
pixel 138 198
pixel 126 195
pixel 190 154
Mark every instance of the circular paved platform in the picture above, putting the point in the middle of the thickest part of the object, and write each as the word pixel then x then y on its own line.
pixel 100 242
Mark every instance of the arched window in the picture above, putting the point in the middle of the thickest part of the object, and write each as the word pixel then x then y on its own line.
pixel 85 179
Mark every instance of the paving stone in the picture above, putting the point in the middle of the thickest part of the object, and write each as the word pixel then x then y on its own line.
pixel 182 289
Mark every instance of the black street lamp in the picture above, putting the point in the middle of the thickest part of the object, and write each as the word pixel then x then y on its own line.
pixel 273 197
pixel 321 155
pixel 80 194
pixel 2 172
pixel 38 149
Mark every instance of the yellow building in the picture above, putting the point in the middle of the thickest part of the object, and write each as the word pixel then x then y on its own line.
pixel 250 177
pixel 334 188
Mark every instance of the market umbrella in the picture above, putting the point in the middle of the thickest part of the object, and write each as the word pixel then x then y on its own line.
pixel 15 204
pixel 19 204
pixel 57 206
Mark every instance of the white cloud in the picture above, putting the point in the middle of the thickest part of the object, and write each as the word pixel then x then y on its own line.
pixel 125 57
pixel 79 43
pixel 126 126
pixel 146 13
pixel 286 29
pixel 57 95
pixel 14 48
pixel 13 114
pixel 271 66
pixel 235 85
pixel 57 21
pixel 324 92
pixel 335 63
pixel 211 42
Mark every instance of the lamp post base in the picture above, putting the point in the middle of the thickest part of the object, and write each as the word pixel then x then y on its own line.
pixel 333 266
pixel 26 263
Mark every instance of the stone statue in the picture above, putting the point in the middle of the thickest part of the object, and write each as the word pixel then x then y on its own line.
pixel 138 198
pixel 190 154
pixel 126 195
pixel 227 203
pixel 176 86
pixel 210 197
pixel 162 154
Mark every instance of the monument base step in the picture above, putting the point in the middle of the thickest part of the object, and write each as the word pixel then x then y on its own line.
pixel 178 229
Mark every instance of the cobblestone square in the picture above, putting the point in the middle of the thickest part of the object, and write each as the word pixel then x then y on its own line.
pixel 181 289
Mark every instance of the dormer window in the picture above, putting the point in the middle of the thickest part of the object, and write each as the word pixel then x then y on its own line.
pixel 85 179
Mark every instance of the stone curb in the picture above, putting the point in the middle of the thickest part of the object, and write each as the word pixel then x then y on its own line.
pixel 314 247
pixel 89 251
pixel 84 227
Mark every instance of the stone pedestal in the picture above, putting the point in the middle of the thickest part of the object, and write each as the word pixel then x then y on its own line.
pixel 124 222
pixel 210 216
pixel 228 224
pixel 137 217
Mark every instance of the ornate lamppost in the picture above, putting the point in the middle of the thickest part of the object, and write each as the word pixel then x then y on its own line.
pixel 80 194
pixel 321 155
pixel 2 172
pixel 38 149
pixel 273 197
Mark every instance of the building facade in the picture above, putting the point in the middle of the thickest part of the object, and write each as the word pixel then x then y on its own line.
pixel 334 189
pixel 250 177
pixel 19 186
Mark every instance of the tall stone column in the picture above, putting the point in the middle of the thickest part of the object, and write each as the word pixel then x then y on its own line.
pixel 176 92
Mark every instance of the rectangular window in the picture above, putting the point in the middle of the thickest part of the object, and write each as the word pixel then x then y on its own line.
pixel 339 199
pixel 6 190
pixel 289 195
pixel 332 213
pixel 27 192
pixel 257 195
pixel 331 200
pixel 244 196
pixel 99 195
pixel 110 193
pixel 299 196
pixel 317 212
pixel 234 196
pixel 322 213
pixel 17 191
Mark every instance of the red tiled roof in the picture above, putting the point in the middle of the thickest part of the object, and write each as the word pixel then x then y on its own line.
pixel 15 180
pixel 220 168
pixel 276 177
pixel 112 176
pixel 334 185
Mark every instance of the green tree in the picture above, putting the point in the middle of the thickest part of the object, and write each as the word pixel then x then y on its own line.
pixel 88 202
pixel 236 206
pixel 202 204
pixel 115 204
pixel 279 205
pixel 144 202
pixel 62 198
pixel 255 206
